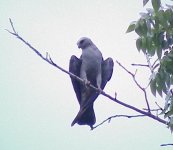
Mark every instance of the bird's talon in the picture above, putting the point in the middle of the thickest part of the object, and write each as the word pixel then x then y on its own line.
pixel 86 83
pixel 99 90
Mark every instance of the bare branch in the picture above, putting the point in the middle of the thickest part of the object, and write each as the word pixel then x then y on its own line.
pixel 155 63
pixel 141 65
pixel 166 145
pixel 140 87
pixel 159 106
pixel 48 59
pixel 157 109
pixel 12 26
pixel 115 116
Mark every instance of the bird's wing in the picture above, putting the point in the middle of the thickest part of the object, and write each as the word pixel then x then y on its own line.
pixel 107 70
pixel 74 67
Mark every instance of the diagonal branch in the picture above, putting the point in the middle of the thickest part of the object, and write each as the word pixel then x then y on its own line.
pixel 48 59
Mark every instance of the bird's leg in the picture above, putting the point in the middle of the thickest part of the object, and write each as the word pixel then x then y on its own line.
pixel 84 77
pixel 99 81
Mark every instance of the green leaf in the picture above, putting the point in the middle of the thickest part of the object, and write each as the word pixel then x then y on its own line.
pixel 156 5
pixel 167 80
pixel 156 40
pixel 144 44
pixel 171 79
pixel 159 53
pixel 139 44
pixel 153 87
pixel 150 49
pixel 164 44
pixel 169 15
pixel 141 27
pixel 131 27
pixel 160 80
pixel 169 68
pixel 159 90
pixel 149 43
pixel 168 64
pixel 151 52
pixel 162 18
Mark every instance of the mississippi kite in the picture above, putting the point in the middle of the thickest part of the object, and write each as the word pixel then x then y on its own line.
pixel 93 70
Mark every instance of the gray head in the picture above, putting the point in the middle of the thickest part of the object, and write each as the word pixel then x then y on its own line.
pixel 84 42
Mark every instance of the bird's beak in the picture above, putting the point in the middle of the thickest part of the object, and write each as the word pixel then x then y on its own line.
pixel 78 46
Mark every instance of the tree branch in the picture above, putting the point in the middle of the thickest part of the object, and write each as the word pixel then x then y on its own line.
pixel 48 59
pixel 140 87
pixel 115 116
pixel 166 145
pixel 141 65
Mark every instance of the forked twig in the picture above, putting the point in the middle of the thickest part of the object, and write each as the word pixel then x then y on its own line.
pixel 140 87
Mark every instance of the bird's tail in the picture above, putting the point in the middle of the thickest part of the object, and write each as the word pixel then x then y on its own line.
pixel 85 116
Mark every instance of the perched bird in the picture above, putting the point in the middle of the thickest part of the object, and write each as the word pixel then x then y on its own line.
pixel 93 70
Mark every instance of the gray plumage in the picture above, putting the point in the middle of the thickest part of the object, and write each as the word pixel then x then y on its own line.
pixel 93 69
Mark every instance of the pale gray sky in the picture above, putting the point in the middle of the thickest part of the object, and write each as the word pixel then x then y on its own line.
pixel 37 102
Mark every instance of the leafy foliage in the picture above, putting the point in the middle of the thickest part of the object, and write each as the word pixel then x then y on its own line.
pixel 155 39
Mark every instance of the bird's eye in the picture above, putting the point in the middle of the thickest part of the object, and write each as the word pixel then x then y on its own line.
pixel 82 41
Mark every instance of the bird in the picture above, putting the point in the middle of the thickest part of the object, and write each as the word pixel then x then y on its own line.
pixel 94 70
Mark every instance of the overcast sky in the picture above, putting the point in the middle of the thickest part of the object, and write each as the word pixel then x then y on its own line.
pixel 37 101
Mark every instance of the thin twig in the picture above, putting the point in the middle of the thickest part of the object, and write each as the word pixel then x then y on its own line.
pixel 140 87
pixel 115 116
pixel 141 65
pixel 166 145
pixel 159 106
pixel 48 59
pixel 12 26
pixel 157 109
pixel 153 65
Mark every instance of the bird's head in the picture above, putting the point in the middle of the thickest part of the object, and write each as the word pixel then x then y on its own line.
pixel 84 42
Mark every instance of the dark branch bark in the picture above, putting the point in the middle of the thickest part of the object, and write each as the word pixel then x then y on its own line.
pixel 166 145
pixel 48 59
pixel 141 65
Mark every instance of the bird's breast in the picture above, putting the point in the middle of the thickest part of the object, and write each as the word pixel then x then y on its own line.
pixel 91 62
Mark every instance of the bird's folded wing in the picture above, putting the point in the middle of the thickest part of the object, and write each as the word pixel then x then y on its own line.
pixel 107 70
pixel 74 67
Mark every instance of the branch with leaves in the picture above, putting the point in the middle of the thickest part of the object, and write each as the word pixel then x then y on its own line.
pixel 155 40
pixel 49 60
